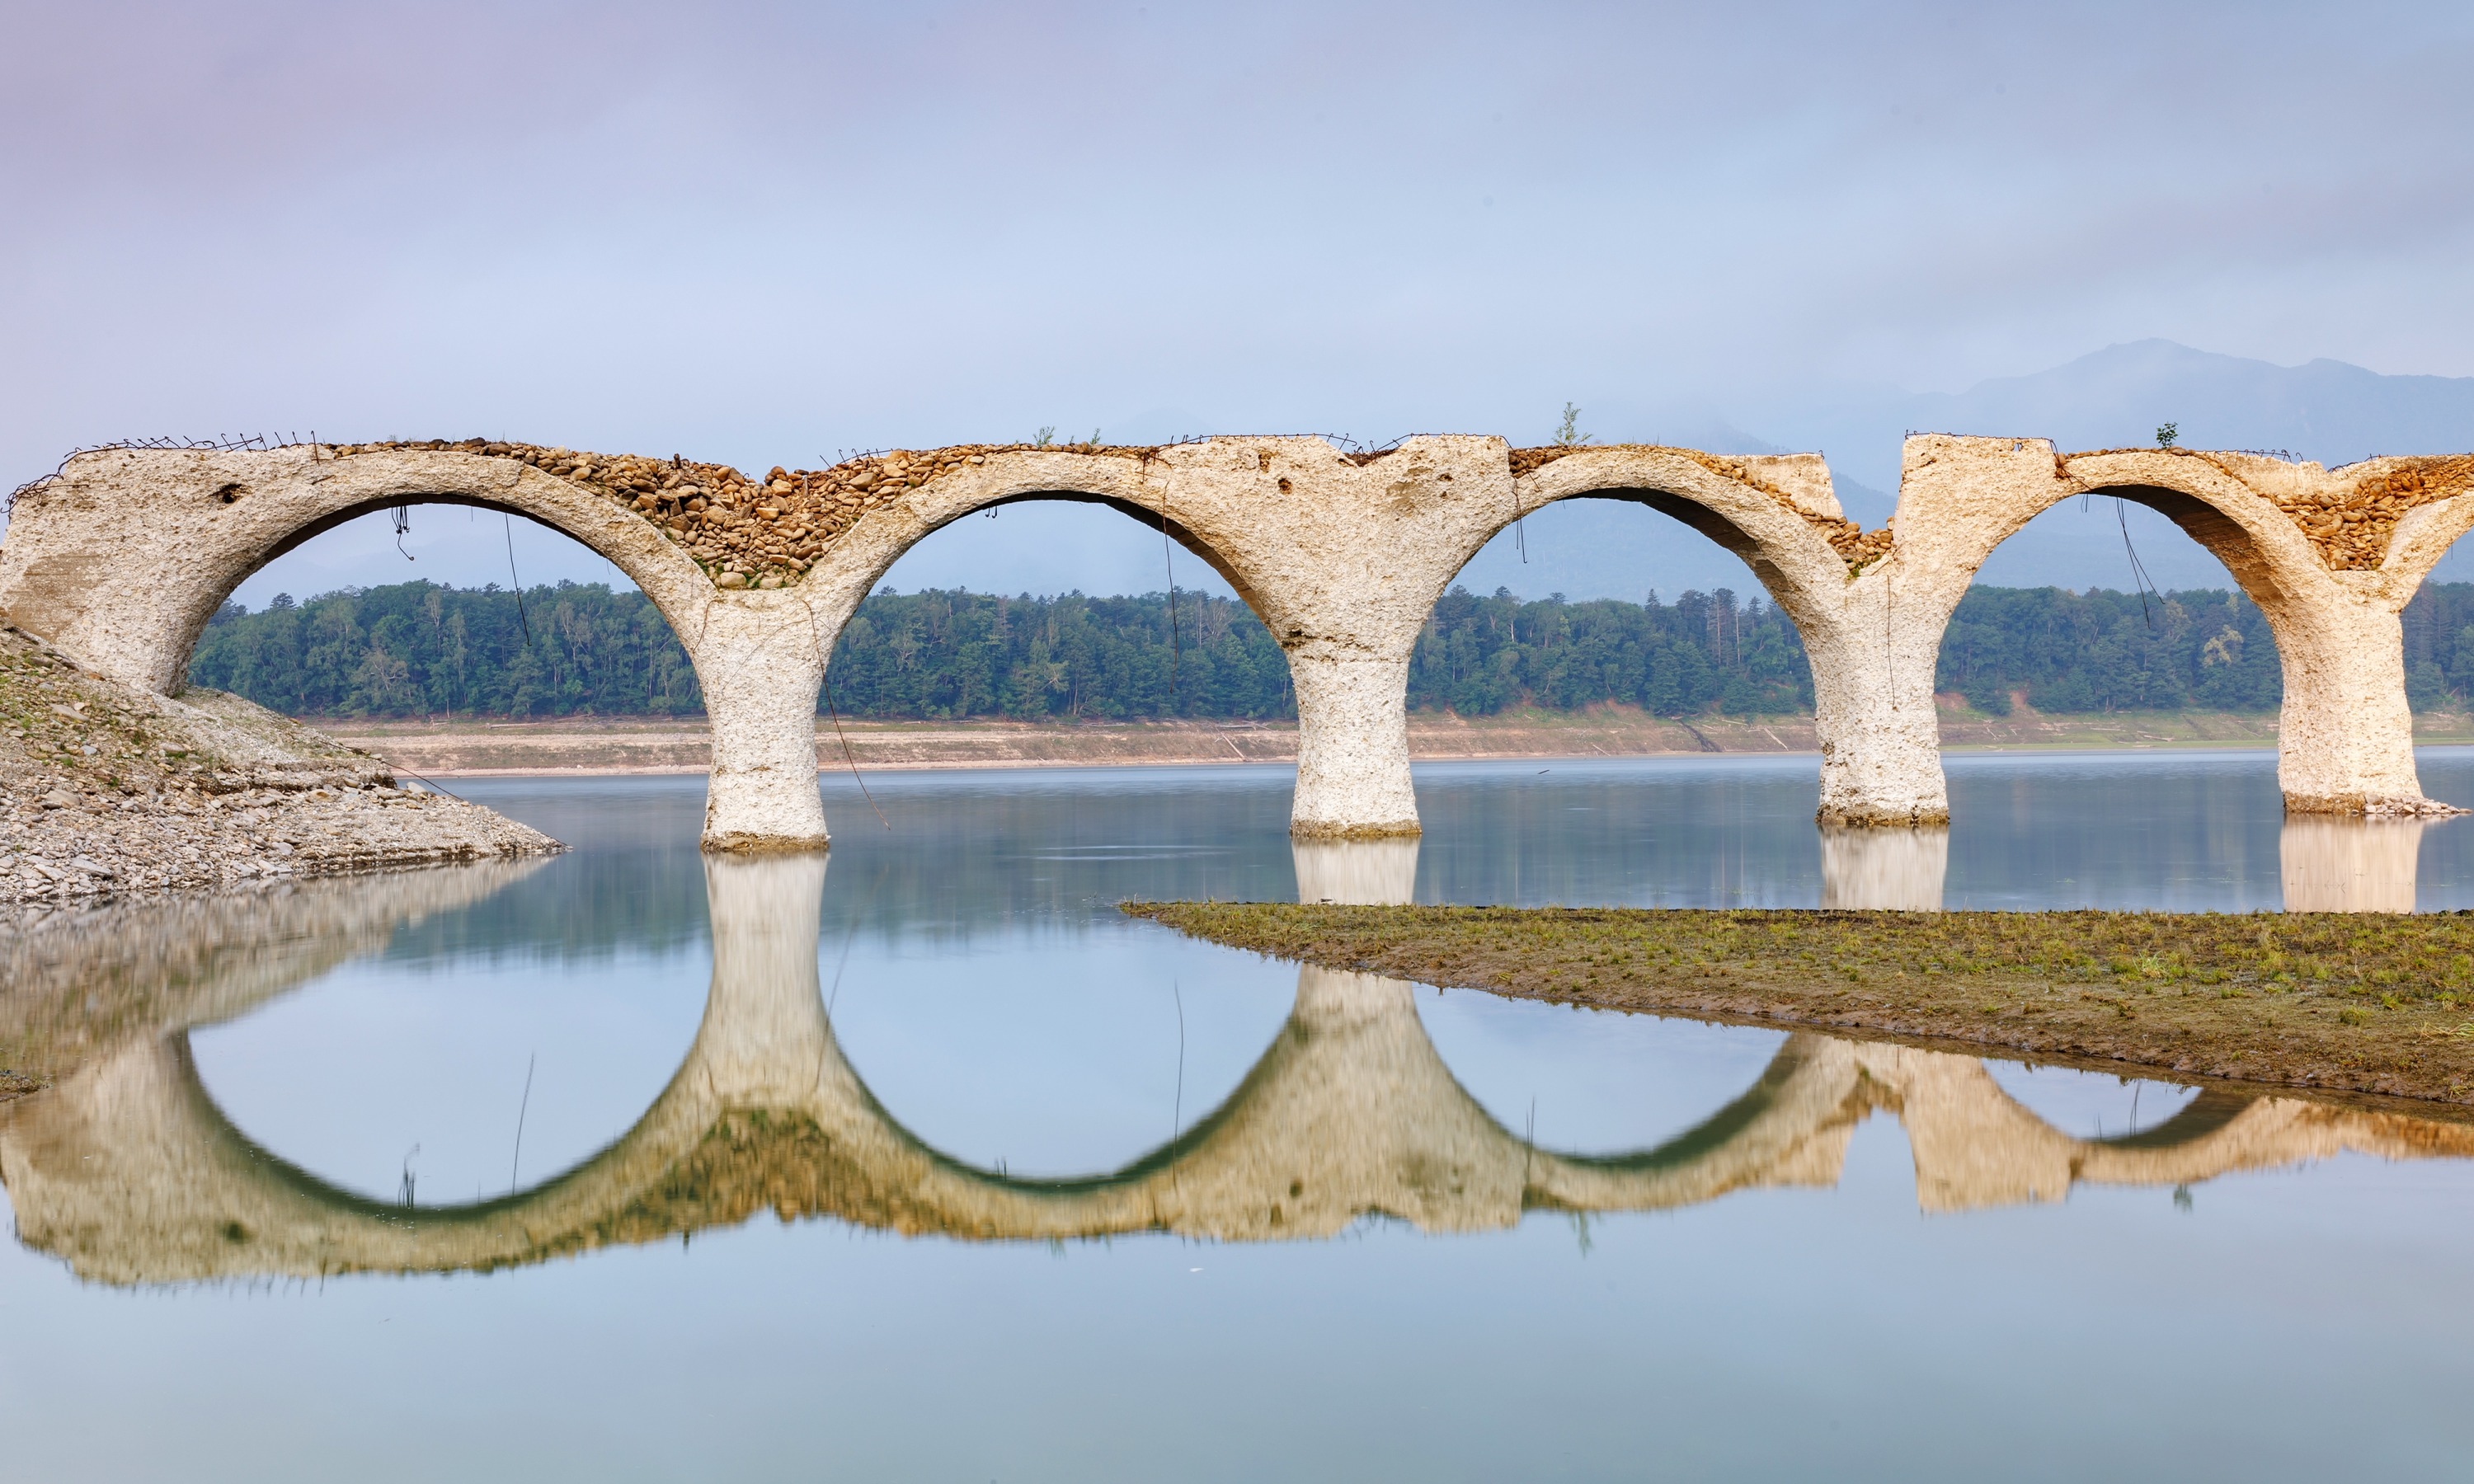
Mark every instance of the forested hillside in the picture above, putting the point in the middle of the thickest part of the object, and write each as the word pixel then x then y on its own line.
pixel 417 650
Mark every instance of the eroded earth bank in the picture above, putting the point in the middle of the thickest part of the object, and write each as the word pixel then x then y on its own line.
pixel 107 788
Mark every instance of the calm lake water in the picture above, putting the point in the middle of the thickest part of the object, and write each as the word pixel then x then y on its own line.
pixel 923 1162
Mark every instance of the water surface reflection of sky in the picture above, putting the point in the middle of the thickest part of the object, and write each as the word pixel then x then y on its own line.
pixel 1072 1197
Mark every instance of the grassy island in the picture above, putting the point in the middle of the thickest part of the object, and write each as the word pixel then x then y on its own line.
pixel 2352 1003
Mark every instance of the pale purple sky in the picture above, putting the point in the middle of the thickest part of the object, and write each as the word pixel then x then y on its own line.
pixel 764 233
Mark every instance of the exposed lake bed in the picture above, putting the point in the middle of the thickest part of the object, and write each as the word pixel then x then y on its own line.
pixel 109 789
pixel 2358 1004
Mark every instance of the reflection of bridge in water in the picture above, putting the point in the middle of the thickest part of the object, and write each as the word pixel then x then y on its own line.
pixel 2329 864
pixel 128 1171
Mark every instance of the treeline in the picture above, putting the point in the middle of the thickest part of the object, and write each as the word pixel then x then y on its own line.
pixel 1704 652
pixel 2208 649
pixel 418 650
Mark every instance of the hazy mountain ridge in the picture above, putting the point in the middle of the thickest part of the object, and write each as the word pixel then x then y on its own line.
pixel 2327 411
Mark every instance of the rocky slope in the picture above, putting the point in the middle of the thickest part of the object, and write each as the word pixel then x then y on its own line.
pixel 105 789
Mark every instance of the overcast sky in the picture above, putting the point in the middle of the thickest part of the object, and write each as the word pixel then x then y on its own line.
pixel 768 233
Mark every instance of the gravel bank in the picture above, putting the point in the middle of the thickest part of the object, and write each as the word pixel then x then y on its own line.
pixel 106 789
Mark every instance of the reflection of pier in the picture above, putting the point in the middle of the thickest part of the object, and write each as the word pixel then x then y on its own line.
pixel 1891 870
pixel 2349 864
pixel 2331 864
pixel 128 1171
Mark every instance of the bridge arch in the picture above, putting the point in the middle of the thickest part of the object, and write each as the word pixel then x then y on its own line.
pixel 1779 513
pixel 1880 765
pixel 124 557
pixel 1332 550
pixel 2331 557
pixel 121 560
pixel 1111 479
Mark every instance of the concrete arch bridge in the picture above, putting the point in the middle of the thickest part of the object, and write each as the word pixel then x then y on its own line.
pixel 121 558
pixel 127 1171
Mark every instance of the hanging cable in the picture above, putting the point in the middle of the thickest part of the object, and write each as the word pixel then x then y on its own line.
pixel 1889 644
pixel 1168 554
pixel 2138 572
pixel 517 581
pixel 847 758
pixel 517 1160
pixel 402 517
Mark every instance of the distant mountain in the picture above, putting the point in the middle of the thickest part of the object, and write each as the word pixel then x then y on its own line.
pixel 2327 411
pixel 2115 399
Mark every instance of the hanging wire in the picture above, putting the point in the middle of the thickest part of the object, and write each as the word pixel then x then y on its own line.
pixel 2138 572
pixel 852 762
pixel 517 1160
pixel 520 616
pixel 1168 553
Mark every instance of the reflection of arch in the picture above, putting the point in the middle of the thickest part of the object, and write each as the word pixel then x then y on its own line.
pixel 127 1171
pixel 2329 556
pixel 81 984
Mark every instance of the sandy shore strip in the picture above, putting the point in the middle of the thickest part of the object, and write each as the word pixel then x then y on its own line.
pixel 591 746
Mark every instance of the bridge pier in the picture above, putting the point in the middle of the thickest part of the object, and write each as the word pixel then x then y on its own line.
pixel 2344 736
pixel 761 664
pixel 1353 778
pixel 1872 707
